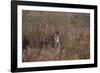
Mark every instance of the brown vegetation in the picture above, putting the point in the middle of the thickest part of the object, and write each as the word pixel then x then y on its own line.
pixel 74 33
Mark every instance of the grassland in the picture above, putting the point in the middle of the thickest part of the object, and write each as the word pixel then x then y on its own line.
pixel 74 34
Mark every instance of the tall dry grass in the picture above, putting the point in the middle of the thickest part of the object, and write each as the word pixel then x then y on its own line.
pixel 74 32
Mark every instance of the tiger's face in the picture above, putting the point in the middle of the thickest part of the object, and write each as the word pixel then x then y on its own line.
pixel 56 41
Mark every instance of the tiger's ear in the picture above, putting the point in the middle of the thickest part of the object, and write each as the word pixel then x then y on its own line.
pixel 57 33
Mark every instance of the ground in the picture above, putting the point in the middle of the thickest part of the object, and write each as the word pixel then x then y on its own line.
pixel 52 54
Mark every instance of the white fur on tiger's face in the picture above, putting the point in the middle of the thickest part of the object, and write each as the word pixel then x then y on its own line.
pixel 56 43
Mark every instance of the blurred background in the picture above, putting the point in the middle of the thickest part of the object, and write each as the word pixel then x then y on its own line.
pixel 74 34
